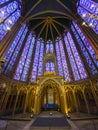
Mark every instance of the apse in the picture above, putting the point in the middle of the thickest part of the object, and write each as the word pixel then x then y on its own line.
pixel 36 39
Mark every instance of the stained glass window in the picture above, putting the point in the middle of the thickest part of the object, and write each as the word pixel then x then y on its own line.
pixel 14 49
pixel 40 66
pixel 88 10
pixel 49 47
pixel 86 48
pixel 3 1
pixel 10 14
pixel 50 67
pixel 87 44
pixel 72 61
pixel 75 60
pixel 64 62
pixel 59 62
pixel 8 9
pixel 25 60
pixel 90 5
pixel 36 60
pixel 37 68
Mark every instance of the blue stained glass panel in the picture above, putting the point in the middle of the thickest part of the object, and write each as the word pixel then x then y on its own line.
pixel 72 60
pixel 51 48
pixel 28 60
pixel 36 60
pixel 41 58
pixel 93 22
pixel 16 52
pixel 48 67
pixel 52 66
pixel 13 45
pixel 86 43
pixel 8 9
pixel 59 62
pixel 47 48
pixel 90 5
pixel 4 27
pixel 24 62
pixel 64 62
pixel 13 50
pixel 3 1
pixel 77 58
pixel 76 31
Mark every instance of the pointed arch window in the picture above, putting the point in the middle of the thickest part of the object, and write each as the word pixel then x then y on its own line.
pixel 13 50
pixel 88 10
pixel 75 60
pixel 37 68
pixel 49 47
pixel 50 67
pixel 62 62
pixel 41 57
pixel 59 61
pixel 25 60
pixel 86 48
pixel 9 14
pixel 3 1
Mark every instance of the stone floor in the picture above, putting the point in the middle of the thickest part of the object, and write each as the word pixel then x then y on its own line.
pixel 78 121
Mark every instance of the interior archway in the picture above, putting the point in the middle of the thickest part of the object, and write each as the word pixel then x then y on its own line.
pixel 50 95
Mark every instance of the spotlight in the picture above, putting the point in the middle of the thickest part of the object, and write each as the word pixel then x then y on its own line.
pixel 92 5
pixel 91 25
pixel 8 28
pixel 84 15
pixel 9 21
pixel 84 24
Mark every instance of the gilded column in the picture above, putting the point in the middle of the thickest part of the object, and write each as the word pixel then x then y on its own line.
pixel 15 104
pixel 5 101
pixel 76 103
pixel 2 100
pixel 94 93
pixel 26 103
pixel 66 105
pixel 86 102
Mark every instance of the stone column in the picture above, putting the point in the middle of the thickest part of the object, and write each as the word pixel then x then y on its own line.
pixel 15 104
pixel 76 103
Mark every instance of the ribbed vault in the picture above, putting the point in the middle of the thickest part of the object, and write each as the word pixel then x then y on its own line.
pixel 48 18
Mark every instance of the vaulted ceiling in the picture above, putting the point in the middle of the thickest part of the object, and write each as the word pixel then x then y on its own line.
pixel 48 18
